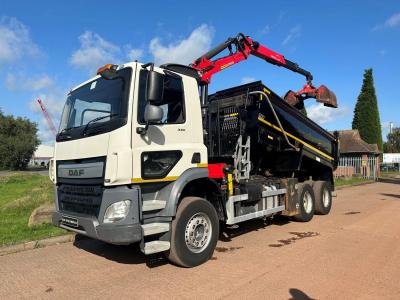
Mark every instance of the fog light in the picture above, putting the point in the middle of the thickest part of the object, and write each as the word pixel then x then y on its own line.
pixel 117 211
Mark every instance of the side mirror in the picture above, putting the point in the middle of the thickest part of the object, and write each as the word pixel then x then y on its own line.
pixel 153 113
pixel 155 87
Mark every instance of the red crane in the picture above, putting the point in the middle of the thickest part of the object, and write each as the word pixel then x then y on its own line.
pixel 48 118
pixel 240 48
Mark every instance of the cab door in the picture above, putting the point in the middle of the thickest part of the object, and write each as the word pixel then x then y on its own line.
pixel 174 144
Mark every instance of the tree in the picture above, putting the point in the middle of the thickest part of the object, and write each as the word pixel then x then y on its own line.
pixel 18 141
pixel 393 142
pixel 366 114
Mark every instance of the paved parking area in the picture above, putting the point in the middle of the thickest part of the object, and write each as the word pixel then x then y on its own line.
pixel 353 253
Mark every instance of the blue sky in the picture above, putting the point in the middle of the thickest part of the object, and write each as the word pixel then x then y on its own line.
pixel 47 47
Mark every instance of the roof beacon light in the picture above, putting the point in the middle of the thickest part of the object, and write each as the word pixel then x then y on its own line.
pixel 108 72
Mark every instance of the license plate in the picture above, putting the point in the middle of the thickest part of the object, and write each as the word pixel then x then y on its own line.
pixel 69 221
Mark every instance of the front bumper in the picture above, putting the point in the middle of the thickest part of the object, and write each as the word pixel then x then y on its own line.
pixel 122 234
pixel 90 222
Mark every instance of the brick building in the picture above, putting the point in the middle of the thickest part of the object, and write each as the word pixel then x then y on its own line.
pixel 357 157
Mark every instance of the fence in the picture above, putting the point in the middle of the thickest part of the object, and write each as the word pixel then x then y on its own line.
pixel 359 166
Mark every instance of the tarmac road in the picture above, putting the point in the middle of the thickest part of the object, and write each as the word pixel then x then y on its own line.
pixel 353 253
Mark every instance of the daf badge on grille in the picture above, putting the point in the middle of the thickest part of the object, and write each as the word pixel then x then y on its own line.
pixel 76 172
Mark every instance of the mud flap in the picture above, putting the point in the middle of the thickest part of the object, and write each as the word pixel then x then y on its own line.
pixel 291 197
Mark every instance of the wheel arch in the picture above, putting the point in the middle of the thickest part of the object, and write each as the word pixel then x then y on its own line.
pixel 194 182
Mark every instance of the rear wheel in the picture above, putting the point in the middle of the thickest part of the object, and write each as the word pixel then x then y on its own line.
pixel 195 232
pixel 306 202
pixel 323 197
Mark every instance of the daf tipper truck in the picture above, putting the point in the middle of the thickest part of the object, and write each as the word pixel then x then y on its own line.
pixel 145 155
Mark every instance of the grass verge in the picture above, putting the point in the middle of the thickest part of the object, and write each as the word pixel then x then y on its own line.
pixel 20 194
pixel 390 174
pixel 350 181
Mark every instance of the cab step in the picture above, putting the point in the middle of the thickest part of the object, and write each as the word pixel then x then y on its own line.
pixel 154 228
pixel 155 247
pixel 150 205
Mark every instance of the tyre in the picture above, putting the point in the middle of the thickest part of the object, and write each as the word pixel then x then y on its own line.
pixel 194 233
pixel 306 202
pixel 323 197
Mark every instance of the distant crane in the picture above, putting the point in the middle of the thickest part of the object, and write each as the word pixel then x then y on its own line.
pixel 48 118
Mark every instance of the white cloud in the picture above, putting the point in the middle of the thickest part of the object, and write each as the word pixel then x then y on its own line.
pixel 294 33
pixel 15 41
pixel 53 101
pixel 386 124
pixel 23 83
pixel 183 51
pixel 322 114
pixel 247 79
pixel 391 22
pixel 134 54
pixel 46 136
pixel 94 52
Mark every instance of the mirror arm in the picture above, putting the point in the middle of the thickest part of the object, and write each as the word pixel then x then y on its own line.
pixel 143 130
pixel 147 65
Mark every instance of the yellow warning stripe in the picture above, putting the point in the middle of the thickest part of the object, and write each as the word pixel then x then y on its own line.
pixel 267 90
pixel 203 165
pixel 296 138
pixel 141 180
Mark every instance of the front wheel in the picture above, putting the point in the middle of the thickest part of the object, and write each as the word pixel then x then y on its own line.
pixel 194 232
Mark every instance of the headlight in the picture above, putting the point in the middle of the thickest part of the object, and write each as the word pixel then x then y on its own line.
pixel 117 211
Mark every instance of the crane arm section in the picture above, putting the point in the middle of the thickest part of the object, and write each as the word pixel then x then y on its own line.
pixel 47 117
pixel 240 48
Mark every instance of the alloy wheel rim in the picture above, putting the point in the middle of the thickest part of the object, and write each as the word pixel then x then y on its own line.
pixel 198 232
pixel 307 202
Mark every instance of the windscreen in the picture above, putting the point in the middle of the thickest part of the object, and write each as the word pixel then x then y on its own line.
pixel 99 101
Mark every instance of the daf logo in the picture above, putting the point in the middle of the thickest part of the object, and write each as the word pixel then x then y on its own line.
pixel 76 172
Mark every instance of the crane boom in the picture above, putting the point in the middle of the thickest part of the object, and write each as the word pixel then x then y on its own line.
pixel 47 117
pixel 240 48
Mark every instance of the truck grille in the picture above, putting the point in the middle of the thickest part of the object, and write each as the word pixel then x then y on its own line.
pixel 83 199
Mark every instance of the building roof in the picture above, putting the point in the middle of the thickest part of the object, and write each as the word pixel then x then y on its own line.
pixel 351 142
pixel 43 151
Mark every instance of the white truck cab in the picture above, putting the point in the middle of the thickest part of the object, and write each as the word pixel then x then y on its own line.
pixel 102 156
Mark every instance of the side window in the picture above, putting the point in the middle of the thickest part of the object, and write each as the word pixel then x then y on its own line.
pixel 172 104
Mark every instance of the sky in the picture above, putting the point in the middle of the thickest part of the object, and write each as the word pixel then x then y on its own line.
pixel 48 47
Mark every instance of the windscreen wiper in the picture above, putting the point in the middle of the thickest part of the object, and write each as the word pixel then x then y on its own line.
pixel 65 130
pixel 95 120
pixel 63 133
